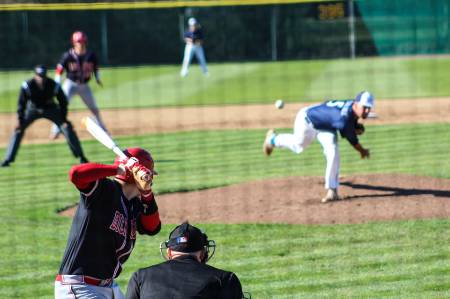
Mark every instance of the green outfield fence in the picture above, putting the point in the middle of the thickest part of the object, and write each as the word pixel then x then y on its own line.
pixel 149 32
pixel 207 132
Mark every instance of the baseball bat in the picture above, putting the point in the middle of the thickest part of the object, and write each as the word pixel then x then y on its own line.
pixel 99 133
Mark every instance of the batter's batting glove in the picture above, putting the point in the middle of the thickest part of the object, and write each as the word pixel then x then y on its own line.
pixel 143 177
pixel 127 165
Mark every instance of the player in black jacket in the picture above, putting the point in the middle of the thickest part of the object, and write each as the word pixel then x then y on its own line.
pixel 185 273
pixel 36 100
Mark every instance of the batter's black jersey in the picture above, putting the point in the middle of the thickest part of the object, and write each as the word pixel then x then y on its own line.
pixel 41 98
pixel 183 277
pixel 103 232
pixel 79 68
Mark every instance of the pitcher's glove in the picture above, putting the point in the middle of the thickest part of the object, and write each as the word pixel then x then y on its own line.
pixel 359 129
pixel 143 177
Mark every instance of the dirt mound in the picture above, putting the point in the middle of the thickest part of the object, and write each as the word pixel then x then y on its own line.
pixel 367 198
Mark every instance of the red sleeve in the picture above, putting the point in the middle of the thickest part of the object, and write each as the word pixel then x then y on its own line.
pixel 151 223
pixel 59 69
pixel 83 175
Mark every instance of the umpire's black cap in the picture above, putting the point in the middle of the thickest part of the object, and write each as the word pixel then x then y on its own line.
pixel 187 238
pixel 40 70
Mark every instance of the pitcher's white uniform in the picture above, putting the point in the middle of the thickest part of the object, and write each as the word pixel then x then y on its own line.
pixel 322 122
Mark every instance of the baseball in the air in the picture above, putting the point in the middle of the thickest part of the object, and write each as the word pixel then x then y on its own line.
pixel 279 104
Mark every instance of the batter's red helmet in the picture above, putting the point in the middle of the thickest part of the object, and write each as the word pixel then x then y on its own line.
pixel 144 157
pixel 79 37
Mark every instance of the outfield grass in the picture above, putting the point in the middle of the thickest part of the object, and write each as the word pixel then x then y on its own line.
pixel 238 83
pixel 397 259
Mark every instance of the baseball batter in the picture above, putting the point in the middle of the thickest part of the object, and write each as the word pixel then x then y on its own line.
pixel 79 63
pixel 194 45
pixel 322 122
pixel 103 232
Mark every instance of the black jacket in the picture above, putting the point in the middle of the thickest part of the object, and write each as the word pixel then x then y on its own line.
pixel 31 93
pixel 183 277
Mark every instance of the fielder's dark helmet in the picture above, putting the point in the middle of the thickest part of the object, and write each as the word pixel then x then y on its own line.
pixel 79 37
pixel 144 157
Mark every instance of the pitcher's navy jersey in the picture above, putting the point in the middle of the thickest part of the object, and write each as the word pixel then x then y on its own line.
pixel 335 115
pixel 196 35
pixel 103 232
pixel 79 68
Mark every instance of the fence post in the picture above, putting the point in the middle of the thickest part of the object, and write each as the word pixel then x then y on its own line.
pixel 351 27
pixel 273 32
pixel 104 37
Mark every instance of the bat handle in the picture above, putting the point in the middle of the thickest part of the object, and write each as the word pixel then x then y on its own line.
pixel 119 152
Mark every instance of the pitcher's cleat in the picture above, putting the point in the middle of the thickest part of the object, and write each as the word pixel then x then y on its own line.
pixel 268 145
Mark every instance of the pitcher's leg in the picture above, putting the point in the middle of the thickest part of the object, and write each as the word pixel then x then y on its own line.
pixel 304 134
pixel 330 146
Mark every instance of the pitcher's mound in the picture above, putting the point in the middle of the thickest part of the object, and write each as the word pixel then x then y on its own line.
pixel 366 198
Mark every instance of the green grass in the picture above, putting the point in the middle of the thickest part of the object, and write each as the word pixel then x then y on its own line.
pixel 239 83
pixel 408 259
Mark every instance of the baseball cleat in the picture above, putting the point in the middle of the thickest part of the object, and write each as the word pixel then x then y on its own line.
pixel 268 146
pixel 331 196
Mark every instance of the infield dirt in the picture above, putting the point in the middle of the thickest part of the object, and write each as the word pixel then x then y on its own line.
pixel 296 200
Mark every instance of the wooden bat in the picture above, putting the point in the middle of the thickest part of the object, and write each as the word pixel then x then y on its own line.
pixel 100 134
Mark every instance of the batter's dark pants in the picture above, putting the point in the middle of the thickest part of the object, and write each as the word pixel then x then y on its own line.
pixel 53 114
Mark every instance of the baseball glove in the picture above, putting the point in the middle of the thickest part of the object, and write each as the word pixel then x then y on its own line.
pixel 143 177
pixel 359 129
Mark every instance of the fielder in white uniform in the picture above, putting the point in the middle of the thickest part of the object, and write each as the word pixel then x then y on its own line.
pixel 322 122
pixel 194 45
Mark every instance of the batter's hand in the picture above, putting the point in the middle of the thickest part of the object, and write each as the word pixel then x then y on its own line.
pixel 143 178
pixel 125 168
pixel 100 83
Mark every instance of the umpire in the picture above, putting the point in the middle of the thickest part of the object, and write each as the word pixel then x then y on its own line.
pixel 185 273
pixel 36 101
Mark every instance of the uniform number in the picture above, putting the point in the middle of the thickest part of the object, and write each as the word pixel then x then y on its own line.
pixel 335 103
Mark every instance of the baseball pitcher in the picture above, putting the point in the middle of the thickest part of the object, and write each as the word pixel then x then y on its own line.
pixel 322 122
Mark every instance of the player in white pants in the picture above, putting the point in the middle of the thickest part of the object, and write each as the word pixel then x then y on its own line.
pixel 194 45
pixel 322 122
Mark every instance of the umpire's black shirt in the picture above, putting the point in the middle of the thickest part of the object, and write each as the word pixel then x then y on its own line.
pixel 183 277
pixel 41 97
